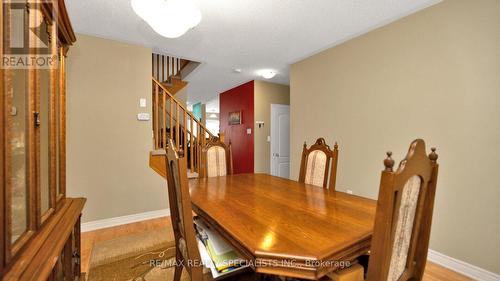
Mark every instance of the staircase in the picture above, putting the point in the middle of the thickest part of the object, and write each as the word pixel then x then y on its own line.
pixel 171 119
pixel 171 71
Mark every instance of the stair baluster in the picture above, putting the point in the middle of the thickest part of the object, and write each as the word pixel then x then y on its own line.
pixel 191 160
pixel 188 133
pixel 164 115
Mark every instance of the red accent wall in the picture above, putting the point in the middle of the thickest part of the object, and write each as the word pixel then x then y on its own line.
pixel 236 99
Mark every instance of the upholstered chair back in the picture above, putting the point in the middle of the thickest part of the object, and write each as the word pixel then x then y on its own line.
pixel 216 159
pixel 404 216
pixel 181 213
pixel 315 164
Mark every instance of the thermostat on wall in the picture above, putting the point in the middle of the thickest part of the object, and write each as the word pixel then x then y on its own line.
pixel 143 116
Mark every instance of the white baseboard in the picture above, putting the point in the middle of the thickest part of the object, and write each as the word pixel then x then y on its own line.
pixel 461 267
pixel 98 224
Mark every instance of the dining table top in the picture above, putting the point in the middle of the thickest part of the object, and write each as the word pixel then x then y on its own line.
pixel 267 218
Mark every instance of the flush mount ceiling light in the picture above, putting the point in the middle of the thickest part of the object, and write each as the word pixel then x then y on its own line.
pixel 169 18
pixel 267 73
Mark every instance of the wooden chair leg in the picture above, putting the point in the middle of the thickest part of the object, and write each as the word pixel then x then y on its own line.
pixel 178 268
pixel 178 273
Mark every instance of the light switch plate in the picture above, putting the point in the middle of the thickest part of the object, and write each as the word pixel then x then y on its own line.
pixel 268 138
pixel 143 116
pixel 142 102
pixel 249 131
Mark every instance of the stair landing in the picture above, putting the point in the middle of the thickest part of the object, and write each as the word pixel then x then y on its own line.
pixel 157 163
pixel 175 85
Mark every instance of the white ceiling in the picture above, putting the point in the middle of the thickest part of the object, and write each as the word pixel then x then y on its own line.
pixel 246 34
pixel 212 105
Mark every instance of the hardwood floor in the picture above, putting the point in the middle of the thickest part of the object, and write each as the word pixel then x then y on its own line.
pixel 436 272
pixel 433 272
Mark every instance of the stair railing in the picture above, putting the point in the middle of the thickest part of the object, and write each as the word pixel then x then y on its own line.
pixel 172 120
pixel 165 67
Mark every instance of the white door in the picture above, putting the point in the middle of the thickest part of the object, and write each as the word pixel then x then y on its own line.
pixel 280 140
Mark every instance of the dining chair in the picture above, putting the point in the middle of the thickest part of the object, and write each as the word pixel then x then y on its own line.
pixel 403 218
pixel 404 215
pixel 216 159
pixel 315 164
pixel 181 217
pixel 187 252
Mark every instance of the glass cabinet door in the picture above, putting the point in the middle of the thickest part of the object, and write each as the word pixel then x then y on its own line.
pixel 58 72
pixel 17 131
pixel 60 112
pixel 44 104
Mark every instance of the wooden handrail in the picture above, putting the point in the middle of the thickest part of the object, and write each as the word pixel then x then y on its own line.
pixel 182 106
pixel 176 121
pixel 188 132
pixel 182 133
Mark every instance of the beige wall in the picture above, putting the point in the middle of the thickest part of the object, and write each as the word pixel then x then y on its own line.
pixel 108 148
pixel 265 94
pixel 433 75
pixel 182 95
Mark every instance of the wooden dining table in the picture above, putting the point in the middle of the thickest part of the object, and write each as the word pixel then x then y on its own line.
pixel 284 227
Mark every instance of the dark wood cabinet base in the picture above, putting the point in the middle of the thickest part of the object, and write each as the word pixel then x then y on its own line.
pixel 54 252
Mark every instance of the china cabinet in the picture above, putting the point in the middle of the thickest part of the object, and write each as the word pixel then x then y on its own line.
pixel 39 226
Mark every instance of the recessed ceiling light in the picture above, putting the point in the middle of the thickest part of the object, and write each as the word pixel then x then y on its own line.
pixel 267 73
pixel 237 70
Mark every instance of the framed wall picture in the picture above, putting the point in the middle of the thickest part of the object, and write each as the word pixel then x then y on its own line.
pixel 235 118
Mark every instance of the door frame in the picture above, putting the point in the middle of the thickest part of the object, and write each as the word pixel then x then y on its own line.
pixel 274 106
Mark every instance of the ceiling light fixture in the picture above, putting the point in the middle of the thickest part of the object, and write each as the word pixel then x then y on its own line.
pixel 169 18
pixel 267 73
